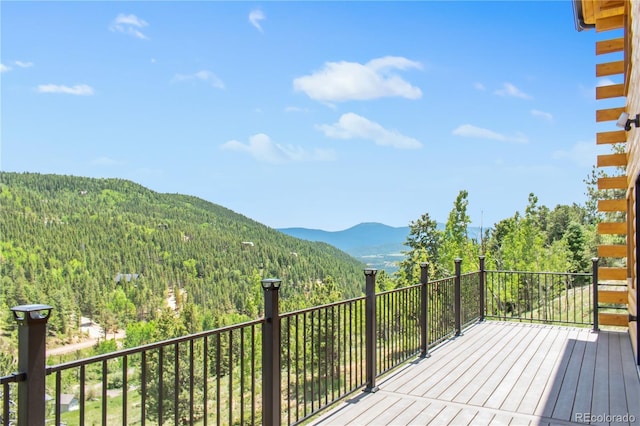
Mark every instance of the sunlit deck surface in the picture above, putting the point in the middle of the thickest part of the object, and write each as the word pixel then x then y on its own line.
pixel 500 373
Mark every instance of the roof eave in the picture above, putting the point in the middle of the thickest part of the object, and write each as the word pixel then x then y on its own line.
pixel 578 15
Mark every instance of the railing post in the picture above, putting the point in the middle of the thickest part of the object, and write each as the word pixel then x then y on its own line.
pixel 458 297
pixel 32 332
pixel 594 269
pixel 271 380
pixel 424 306
pixel 370 330
pixel 482 288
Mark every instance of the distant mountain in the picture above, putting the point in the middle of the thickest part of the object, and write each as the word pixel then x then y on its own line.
pixel 363 235
pixel 375 244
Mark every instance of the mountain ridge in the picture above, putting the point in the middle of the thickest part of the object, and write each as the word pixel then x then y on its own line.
pixel 376 244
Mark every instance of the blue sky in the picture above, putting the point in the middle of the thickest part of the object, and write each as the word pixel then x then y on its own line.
pixel 313 114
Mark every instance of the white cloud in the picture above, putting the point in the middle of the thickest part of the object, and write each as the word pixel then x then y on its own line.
pixel 470 131
pixel 479 86
pixel 545 115
pixel 582 153
pixel 22 64
pixel 255 16
pixel 204 75
pixel 78 89
pixel 353 126
pixel 129 24
pixel 263 149
pixel 509 89
pixel 604 82
pixel 345 81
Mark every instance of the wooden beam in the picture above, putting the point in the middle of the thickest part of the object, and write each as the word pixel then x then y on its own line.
pixel 609 68
pixel 609 114
pixel 611 23
pixel 612 228
pixel 611 91
pixel 614 274
pixel 613 297
pixel 609 160
pixel 609 46
pixel 620 320
pixel 615 182
pixel 612 205
pixel 617 250
pixel 617 136
pixel 605 8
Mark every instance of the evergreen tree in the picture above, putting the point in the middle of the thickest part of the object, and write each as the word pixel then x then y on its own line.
pixel 424 243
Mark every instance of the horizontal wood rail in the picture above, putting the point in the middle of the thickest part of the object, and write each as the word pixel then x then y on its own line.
pixel 613 297
pixel 612 160
pixel 617 250
pixel 609 7
pixel 611 23
pixel 612 228
pixel 616 136
pixel 609 46
pixel 614 274
pixel 609 114
pixel 612 205
pixel 613 182
pixel 620 320
pixel 609 68
pixel 610 91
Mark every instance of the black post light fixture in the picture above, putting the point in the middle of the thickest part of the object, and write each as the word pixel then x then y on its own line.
pixel 625 122
pixel 271 284
pixel 32 332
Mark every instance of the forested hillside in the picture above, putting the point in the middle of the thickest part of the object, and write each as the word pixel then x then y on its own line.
pixel 112 250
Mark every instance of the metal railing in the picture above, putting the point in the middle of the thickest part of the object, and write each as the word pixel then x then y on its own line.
pixel 207 377
pixel 398 326
pixel 283 368
pixel 549 297
pixel 322 357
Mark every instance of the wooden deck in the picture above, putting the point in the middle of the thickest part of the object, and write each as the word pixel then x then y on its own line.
pixel 500 373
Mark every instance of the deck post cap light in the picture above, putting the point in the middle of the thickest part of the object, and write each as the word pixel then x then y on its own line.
pixel 26 314
pixel 271 283
pixel 625 122
pixel 370 271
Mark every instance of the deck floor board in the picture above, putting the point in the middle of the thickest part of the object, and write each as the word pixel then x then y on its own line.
pixel 506 373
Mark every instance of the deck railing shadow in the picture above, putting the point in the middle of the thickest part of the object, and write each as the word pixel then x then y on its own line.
pixel 280 369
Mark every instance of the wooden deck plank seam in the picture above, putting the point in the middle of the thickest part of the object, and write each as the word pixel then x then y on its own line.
pixel 443 349
pixel 493 374
pixel 467 373
pixel 529 373
pixel 550 387
pixel 564 401
pixel 600 396
pixel 427 401
pixel 508 383
pixel 631 380
pixel 584 387
pixel 441 363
